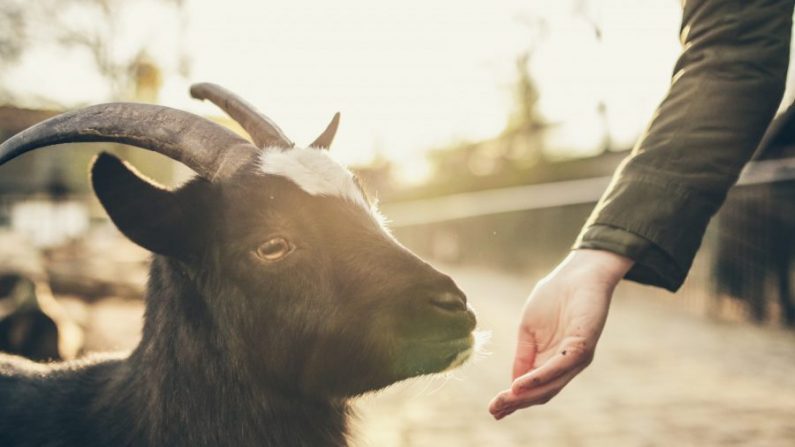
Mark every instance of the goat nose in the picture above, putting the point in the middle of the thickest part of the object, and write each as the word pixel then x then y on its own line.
pixel 450 301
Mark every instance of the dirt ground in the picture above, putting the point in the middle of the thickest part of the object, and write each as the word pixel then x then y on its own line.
pixel 661 377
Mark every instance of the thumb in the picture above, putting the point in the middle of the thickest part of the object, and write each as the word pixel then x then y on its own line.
pixel 525 357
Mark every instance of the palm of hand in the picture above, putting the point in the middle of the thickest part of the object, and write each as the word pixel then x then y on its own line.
pixel 561 323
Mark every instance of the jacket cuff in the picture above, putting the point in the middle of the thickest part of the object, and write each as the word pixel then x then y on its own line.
pixel 658 224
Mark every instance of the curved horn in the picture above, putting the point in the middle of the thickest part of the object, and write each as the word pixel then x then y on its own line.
pixel 263 131
pixel 327 137
pixel 198 143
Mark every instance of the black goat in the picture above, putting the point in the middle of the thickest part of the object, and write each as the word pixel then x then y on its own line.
pixel 32 323
pixel 275 294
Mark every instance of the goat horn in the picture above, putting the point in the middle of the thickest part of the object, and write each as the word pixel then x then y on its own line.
pixel 327 137
pixel 263 131
pixel 197 142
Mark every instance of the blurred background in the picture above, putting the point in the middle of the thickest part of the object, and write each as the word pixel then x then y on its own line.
pixel 487 131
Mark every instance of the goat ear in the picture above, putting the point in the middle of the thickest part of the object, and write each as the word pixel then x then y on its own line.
pixel 151 216
pixel 324 140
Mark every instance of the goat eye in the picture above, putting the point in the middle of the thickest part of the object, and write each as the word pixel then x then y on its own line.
pixel 274 249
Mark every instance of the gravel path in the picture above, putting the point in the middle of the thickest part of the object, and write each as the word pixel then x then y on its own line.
pixel 661 377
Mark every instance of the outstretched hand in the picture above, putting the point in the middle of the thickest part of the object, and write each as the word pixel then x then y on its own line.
pixel 561 323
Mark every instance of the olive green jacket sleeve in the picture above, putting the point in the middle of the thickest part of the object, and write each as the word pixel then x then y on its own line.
pixel 727 84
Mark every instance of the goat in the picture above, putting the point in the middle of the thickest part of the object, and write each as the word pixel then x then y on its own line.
pixel 32 323
pixel 275 294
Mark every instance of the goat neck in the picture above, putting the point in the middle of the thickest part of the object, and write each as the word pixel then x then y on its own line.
pixel 187 388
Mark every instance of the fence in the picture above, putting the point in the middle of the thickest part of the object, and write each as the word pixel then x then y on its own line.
pixel 742 271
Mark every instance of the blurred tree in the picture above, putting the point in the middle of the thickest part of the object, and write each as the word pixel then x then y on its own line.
pixel 91 25
pixel 11 26
pixel 589 11
pixel 12 37
pixel 526 125
pixel 103 41
pixel 526 114
pixel 104 33
pixel 510 158
pixel 523 136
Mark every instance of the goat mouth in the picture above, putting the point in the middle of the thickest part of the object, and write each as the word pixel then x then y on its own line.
pixel 467 347
pixel 456 351
pixel 435 355
pixel 408 357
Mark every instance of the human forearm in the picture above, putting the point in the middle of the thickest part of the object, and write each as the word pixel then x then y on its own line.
pixel 727 84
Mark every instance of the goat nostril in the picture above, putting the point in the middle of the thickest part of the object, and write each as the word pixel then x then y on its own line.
pixel 450 301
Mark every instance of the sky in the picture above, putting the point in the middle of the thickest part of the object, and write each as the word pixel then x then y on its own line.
pixel 407 76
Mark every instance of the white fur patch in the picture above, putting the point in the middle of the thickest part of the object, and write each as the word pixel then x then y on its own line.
pixel 314 171
pixel 478 349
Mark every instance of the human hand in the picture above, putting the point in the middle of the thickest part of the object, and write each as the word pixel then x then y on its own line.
pixel 561 323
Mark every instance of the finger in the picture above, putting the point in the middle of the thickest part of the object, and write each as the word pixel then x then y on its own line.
pixel 526 348
pixel 541 394
pixel 507 411
pixel 499 403
pixel 568 359
pixel 507 401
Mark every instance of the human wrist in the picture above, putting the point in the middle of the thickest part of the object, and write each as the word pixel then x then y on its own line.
pixel 597 264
